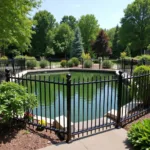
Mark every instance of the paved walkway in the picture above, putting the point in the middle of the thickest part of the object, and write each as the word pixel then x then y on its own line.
pixel 115 139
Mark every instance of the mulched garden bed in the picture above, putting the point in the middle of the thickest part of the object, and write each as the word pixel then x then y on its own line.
pixel 26 138
pixel 128 126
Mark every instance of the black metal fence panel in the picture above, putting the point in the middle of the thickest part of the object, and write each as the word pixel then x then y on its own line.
pixel 79 107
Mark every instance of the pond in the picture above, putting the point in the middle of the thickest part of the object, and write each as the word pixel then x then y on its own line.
pixel 89 99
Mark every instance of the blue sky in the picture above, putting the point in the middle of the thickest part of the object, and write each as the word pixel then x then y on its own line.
pixel 107 12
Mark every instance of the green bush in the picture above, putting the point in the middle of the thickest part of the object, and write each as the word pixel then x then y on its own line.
pixel 139 70
pixel 63 63
pixel 140 83
pixel 43 63
pixel 23 60
pixel 139 135
pixel 70 63
pixel 107 64
pixel 87 63
pixel 75 61
pixel 85 56
pixel 5 58
pixel 20 61
pixel 13 99
pixel 31 63
pixel 145 57
pixel 4 61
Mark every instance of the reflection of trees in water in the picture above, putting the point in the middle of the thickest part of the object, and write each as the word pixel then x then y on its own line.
pixel 49 92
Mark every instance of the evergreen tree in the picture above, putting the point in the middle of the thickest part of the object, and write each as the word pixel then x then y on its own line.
pixel 100 46
pixel 77 45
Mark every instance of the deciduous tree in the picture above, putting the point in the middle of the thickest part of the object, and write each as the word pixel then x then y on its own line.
pixel 89 30
pixel 15 26
pixel 45 21
pixel 70 20
pixel 136 26
pixel 100 46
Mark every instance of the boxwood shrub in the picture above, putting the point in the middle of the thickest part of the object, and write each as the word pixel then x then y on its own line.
pixel 63 63
pixel 75 61
pixel 107 64
pixel 87 63
pixel 43 63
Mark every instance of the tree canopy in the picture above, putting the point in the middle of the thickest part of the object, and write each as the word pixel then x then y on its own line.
pixel 89 29
pixel 15 24
pixel 136 26
pixel 70 20
pixel 45 21
pixel 63 40
pixel 100 46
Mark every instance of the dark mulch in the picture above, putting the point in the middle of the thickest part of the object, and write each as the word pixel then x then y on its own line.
pixel 26 138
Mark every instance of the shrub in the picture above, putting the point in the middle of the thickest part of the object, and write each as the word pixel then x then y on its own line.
pixel 87 64
pixel 20 61
pixel 107 64
pixel 145 57
pixel 13 100
pixel 43 63
pixel 140 83
pixel 85 56
pixel 4 61
pixel 70 63
pixel 123 55
pixel 4 58
pixel 139 135
pixel 31 63
pixel 139 70
pixel 63 63
pixel 75 61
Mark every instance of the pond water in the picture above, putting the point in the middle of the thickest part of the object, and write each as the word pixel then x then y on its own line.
pixel 89 99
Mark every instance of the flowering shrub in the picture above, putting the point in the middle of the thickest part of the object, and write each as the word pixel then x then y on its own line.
pixel 28 116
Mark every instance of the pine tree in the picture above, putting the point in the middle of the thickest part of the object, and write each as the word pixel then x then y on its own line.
pixel 77 45
pixel 100 46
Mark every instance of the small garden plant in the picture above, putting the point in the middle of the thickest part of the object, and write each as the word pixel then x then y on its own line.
pixel 43 63
pixel 63 63
pixel 42 123
pixel 14 100
pixel 143 83
pixel 87 63
pixel 139 135
pixel 107 64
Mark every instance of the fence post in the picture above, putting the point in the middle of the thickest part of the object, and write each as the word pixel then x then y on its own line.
pixel 144 62
pixel 119 100
pixel 82 63
pixel 13 65
pixel 7 75
pixel 50 63
pixel 24 63
pixel 68 108
pixel 131 66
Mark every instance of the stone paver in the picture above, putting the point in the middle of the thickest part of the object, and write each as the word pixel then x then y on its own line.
pixel 115 139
